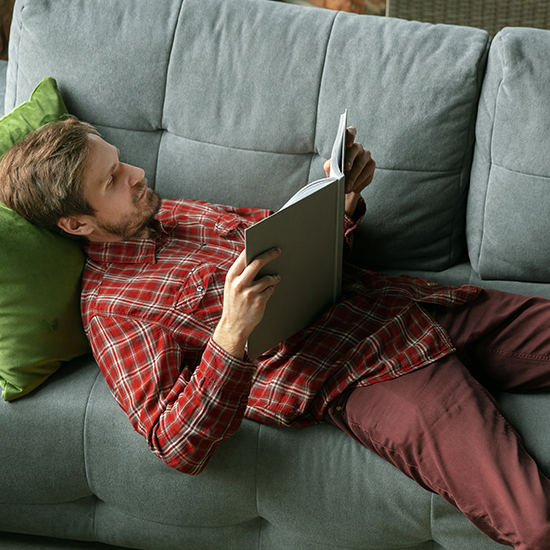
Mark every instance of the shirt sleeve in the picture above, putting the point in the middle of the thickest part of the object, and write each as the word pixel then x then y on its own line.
pixel 252 215
pixel 183 413
pixel 350 223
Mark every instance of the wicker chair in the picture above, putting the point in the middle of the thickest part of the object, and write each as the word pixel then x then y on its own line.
pixel 491 15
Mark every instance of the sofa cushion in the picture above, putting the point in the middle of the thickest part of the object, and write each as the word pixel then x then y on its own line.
pixel 43 448
pixel 40 274
pixel 415 115
pixel 247 122
pixel 509 203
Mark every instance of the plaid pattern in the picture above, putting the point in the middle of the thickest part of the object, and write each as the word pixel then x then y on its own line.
pixel 149 308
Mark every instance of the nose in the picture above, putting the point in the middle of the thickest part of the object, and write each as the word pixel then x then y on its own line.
pixel 135 175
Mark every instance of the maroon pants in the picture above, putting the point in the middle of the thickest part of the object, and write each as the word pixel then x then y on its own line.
pixel 441 426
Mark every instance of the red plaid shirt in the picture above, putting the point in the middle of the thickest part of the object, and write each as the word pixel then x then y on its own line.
pixel 150 306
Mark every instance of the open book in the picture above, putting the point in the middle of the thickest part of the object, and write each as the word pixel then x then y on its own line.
pixel 309 230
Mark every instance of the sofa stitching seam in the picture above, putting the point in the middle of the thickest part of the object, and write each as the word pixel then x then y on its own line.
pixel 168 64
pixel 481 67
pixel 84 448
pixel 16 78
pixel 432 496
pixel 490 160
pixel 260 530
pixel 321 79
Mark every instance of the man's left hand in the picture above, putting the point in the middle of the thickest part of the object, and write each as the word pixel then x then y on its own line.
pixel 358 167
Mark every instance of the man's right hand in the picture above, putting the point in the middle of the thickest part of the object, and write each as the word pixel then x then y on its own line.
pixel 244 302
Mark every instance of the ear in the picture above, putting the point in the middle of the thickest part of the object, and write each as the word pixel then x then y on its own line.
pixel 76 225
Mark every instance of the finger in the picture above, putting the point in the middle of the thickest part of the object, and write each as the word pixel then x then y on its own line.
pixel 351 132
pixel 266 283
pixel 355 162
pixel 351 154
pixel 238 266
pixel 362 173
pixel 260 261
pixel 326 167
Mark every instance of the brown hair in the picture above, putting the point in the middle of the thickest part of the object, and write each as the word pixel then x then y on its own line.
pixel 41 176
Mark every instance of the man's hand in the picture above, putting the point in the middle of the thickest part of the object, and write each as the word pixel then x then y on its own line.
pixel 244 302
pixel 359 169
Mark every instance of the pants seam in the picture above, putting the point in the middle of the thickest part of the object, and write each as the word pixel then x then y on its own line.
pixel 507 353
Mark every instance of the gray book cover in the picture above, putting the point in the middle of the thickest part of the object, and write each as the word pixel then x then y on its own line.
pixel 309 230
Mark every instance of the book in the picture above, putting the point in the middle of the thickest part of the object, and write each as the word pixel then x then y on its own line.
pixel 309 230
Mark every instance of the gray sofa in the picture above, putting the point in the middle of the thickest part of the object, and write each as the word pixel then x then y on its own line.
pixel 237 102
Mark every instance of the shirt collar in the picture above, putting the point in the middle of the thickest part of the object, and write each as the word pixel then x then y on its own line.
pixel 129 252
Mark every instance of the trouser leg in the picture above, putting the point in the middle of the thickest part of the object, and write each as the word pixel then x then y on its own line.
pixel 503 338
pixel 442 428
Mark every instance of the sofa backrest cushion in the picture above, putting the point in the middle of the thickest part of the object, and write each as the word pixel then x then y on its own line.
pixel 237 102
pixel 509 203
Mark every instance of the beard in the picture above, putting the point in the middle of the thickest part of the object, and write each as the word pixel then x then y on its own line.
pixel 133 225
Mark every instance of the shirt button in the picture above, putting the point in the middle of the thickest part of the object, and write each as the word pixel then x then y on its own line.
pixel 200 288
pixel 338 408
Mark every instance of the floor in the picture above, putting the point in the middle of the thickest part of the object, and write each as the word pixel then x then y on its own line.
pixel 9 541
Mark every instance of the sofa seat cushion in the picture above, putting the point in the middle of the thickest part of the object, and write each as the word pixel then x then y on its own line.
pixel 42 450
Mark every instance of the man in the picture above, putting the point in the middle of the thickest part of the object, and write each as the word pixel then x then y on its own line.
pixel 168 303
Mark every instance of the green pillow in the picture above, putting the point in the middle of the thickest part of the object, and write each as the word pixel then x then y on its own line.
pixel 40 274
pixel 45 105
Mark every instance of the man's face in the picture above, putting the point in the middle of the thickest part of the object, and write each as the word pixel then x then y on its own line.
pixel 124 205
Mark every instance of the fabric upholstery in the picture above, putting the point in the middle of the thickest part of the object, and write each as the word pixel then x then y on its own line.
pixel 56 473
pixel 511 171
pixel 198 95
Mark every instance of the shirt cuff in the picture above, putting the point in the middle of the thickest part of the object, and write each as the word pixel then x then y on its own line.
pixel 351 222
pixel 219 365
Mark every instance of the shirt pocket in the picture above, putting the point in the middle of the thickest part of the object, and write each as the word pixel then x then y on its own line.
pixel 194 288
pixel 231 227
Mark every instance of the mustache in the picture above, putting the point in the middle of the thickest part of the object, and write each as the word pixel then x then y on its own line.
pixel 139 188
pixel 141 185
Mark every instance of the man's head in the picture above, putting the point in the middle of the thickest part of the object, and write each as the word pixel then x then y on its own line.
pixel 65 176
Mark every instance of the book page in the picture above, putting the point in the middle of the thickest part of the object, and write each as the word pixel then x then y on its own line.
pixel 338 154
pixel 336 164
